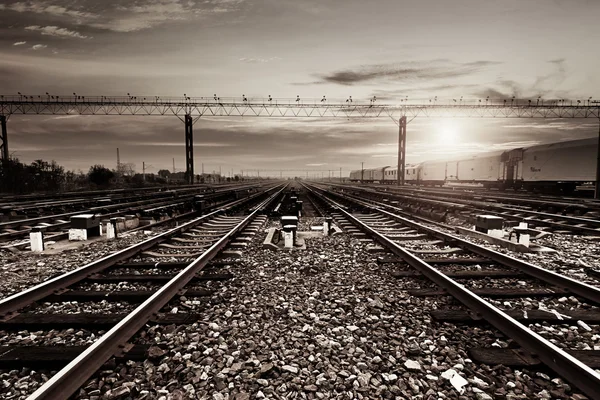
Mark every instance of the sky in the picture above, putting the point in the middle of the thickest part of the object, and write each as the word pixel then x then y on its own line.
pixel 339 48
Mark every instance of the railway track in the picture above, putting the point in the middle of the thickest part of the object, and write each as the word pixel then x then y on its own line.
pixel 494 287
pixel 533 199
pixel 59 223
pixel 538 202
pixel 159 272
pixel 420 202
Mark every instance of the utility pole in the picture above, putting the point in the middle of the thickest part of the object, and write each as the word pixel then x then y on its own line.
pixel 362 172
pixel 144 170
pixel 118 162
pixel 4 141
pixel 173 164
pixel 340 174
pixel 597 189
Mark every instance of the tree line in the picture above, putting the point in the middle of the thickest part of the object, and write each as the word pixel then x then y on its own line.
pixel 42 176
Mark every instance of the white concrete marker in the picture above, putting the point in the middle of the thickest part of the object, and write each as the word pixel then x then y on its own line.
pixel 36 238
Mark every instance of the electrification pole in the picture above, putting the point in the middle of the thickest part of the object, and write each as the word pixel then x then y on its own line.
pixel 401 150
pixel 362 172
pixel 597 188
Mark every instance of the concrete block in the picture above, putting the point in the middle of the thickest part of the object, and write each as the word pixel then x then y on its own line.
pixel 288 238
pixel 132 221
pixel 36 239
pixel 268 242
pixel 77 234
pixel 375 249
pixel 120 223
pixel 111 229
pixel 231 254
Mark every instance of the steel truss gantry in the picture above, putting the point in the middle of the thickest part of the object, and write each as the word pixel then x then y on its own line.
pixel 190 109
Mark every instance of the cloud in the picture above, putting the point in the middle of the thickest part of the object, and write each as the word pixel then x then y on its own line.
pixel 18 43
pixel 405 72
pixel 259 60
pixel 545 86
pixel 38 46
pixel 52 30
pixel 315 164
pixel 110 15
pixel 41 7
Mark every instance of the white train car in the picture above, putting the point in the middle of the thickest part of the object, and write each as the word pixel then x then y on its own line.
pixel 484 168
pixel 432 173
pixel 378 174
pixel 390 174
pixel 411 173
pixel 562 164
pixel 355 175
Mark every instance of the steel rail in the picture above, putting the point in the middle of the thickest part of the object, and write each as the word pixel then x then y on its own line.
pixel 71 377
pixel 489 207
pixel 19 300
pixel 533 216
pixel 588 292
pixel 122 208
pixel 583 377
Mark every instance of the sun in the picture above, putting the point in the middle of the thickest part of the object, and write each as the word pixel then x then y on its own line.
pixel 448 134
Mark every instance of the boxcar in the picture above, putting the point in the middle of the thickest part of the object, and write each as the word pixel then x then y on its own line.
pixel 562 164
pixel 432 173
pixel 485 168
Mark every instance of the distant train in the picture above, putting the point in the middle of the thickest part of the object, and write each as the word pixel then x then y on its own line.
pixel 562 166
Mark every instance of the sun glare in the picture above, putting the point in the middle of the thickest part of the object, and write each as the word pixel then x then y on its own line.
pixel 448 134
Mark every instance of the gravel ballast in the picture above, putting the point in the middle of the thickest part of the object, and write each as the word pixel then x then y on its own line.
pixel 326 322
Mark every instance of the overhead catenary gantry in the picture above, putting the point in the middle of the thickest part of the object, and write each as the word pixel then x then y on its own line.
pixel 190 109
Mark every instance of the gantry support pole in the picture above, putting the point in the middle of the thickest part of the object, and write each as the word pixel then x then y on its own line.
pixel 189 149
pixel 597 188
pixel 4 141
pixel 401 150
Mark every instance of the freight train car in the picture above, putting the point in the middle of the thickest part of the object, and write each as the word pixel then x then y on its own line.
pixel 432 173
pixel 378 174
pixel 368 175
pixel 355 175
pixel 390 174
pixel 485 168
pixel 563 165
pixel 558 166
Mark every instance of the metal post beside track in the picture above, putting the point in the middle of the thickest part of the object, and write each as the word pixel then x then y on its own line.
pixel 401 151
pixel 597 187
pixel 4 141
pixel 189 149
